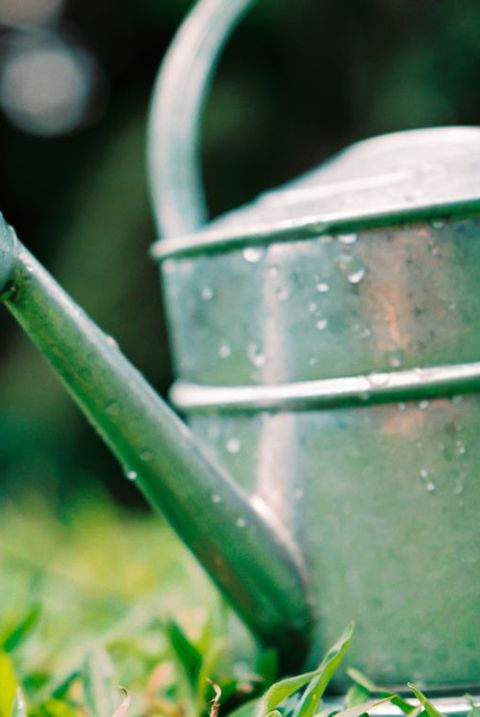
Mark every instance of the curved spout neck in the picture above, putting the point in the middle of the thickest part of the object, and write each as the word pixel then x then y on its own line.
pixel 249 560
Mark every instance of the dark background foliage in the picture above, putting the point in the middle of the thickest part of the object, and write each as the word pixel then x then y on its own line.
pixel 298 81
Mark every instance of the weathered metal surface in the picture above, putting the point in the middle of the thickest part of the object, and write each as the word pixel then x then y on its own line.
pixel 321 337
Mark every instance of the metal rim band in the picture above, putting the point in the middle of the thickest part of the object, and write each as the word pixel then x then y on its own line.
pixel 310 227
pixel 411 384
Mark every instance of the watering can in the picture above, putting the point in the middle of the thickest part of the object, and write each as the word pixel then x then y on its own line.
pixel 327 357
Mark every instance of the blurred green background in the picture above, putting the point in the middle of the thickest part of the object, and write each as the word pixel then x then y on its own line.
pixel 299 80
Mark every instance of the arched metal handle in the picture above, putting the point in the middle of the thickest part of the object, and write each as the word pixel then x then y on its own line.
pixel 178 101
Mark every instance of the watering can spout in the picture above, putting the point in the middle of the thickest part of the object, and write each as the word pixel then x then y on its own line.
pixel 251 561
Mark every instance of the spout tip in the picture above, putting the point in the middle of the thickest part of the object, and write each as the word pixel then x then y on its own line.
pixel 8 257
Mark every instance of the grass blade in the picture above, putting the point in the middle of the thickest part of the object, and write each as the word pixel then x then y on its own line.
pixel 283 689
pixel 19 632
pixel 430 709
pixel 19 708
pixel 368 687
pixel 186 653
pixel 98 684
pixel 363 708
pixel 8 685
pixel 474 707
pixel 311 699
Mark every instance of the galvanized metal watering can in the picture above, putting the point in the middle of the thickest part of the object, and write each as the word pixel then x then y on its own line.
pixel 328 360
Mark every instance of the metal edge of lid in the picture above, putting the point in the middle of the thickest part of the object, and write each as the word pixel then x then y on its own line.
pixel 422 136
pixel 393 386
pixel 311 227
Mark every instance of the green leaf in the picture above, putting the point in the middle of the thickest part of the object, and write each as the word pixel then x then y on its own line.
pixel 267 665
pixel 58 708
pixel 210 662
pixel 475 708
pixel 430 709
pixel 283 689
pixel 186 653
pixel 363 708
pixel 369 687
pixel 99 689
pixel 20 631
pixel 356 695
pixel 19 708
pixel 8 685
pixel 312 696
pixel 248 709
pixel 360 679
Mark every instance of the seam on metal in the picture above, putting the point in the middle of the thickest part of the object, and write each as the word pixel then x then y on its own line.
pixel 311 227
pixel 352 390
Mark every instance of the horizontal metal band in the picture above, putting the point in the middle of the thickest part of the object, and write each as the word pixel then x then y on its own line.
pixel 411 384
pixel 232 237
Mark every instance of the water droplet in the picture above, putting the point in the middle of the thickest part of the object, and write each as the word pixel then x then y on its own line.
pixel 312 360
pixel 402 406
pixel 224 350
pixel 111 342
pixel 460 448
pixel 146 455
pixel 207 293
pixel 253 254
pixel 216 498
pixel 438 224
pixel 322 287
pixel 365 333
pixel 457 400
pixel 274 271
pixel 318 227
pixel 378 380
pixel 255 355
pixel 347 238
pixel 241 522
pixel 131 475
pixel 233 445
pixel 283 293
pixel 423 473
pixel 356 276
pixel 312 307
pixel 321 324
pixel 113 408
pixel 430 486
pixel 394 358
pixel 423 405
pixel 459 486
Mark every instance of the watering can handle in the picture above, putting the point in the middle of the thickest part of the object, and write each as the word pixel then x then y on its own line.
pixel 178 100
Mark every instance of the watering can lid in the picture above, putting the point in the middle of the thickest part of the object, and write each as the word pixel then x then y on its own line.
pixel 400 177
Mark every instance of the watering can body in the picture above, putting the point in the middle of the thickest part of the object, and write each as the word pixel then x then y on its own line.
pixel 327 360
pixel 323 339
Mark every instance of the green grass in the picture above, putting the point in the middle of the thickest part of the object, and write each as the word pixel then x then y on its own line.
pixel 103 614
